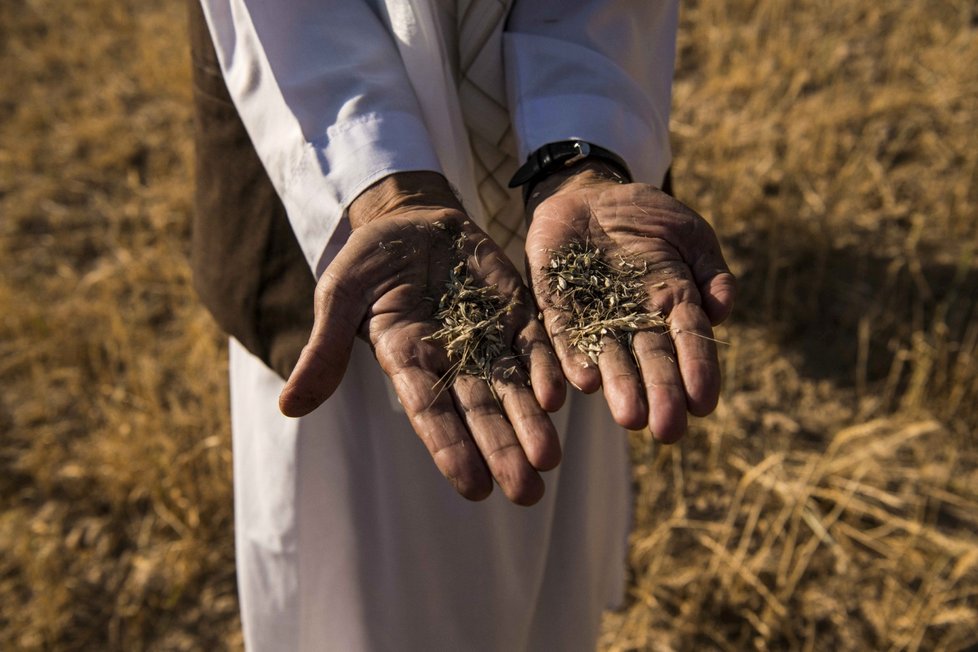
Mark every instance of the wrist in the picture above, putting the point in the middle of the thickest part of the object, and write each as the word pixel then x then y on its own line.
pixel 400 192
pixel 583 174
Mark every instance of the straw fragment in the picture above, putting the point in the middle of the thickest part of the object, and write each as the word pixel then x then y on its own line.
pixel 601 299
pixel 472 322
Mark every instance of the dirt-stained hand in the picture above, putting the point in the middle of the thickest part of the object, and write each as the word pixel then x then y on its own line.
pixel 385 284
pixel 669 370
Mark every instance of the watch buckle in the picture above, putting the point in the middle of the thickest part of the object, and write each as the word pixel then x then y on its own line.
pixel 583 151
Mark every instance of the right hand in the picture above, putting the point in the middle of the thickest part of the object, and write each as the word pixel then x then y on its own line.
pixel 409 232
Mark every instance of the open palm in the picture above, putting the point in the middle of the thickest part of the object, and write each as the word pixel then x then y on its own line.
pixel 385 285
pixel 667 371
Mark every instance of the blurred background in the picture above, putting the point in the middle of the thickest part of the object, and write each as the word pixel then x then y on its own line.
pixel 831 503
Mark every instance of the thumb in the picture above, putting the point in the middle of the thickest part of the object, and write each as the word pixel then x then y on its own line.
pixel 717 286
pixel 339 310
pixel 718 295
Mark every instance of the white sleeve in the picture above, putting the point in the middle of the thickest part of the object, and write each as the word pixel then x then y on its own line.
pixel 325 99
pixel 599 70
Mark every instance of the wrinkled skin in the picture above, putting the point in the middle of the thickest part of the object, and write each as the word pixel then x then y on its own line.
pixel 384 286
pixel 665 374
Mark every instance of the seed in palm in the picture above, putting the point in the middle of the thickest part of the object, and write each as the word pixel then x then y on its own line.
pixel 598 297
pixel 471 317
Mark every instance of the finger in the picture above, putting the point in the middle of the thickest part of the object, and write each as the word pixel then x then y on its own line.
pixel 577 367
pixel 696 353
pixel 546 377
pixel 531 342
pixel 496 440
pixel 663 385
pixel 434 417
pixel 533 427
pixel 622 385
pixel 579 370
pixel 339 310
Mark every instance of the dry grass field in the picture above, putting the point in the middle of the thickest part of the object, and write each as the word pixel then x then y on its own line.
pixel 831 503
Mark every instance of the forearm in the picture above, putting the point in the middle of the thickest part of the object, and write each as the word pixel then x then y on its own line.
pixel 326 102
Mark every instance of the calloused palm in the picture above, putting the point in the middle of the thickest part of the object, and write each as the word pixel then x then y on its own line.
pixel 385 285
pixel 665 373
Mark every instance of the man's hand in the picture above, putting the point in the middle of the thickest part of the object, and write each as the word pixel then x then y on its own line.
pixel 409 232
pixel 667 371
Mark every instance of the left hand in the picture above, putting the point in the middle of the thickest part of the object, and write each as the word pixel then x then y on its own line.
pixel 665 374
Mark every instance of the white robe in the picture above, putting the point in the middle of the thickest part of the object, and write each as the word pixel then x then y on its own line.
pixel 347 536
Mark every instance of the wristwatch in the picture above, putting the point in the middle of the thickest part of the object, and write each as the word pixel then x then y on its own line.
pixel 555 156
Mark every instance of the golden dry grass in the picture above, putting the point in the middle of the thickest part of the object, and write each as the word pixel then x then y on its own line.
pixel 832 501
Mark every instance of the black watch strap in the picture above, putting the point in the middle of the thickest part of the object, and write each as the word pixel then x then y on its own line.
pixel 555 156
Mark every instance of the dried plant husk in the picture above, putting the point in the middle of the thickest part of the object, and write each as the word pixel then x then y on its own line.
pixel 599 297
pixel 471 316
